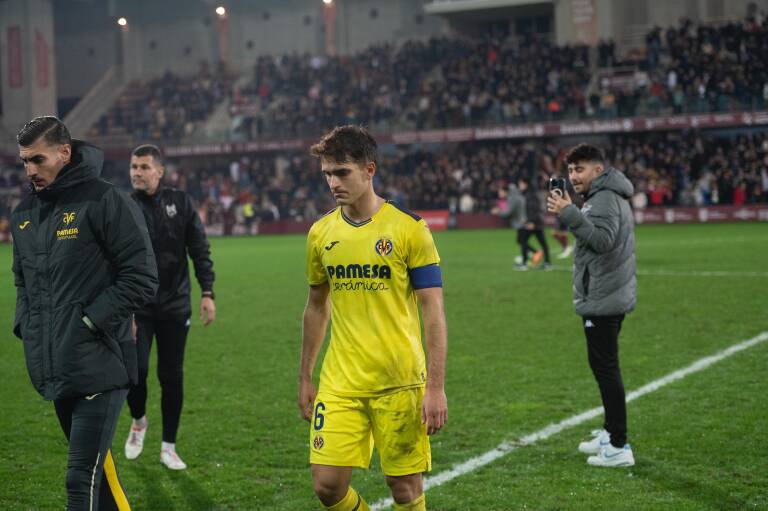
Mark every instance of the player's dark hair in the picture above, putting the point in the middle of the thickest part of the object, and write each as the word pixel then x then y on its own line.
pixel 585 153
pixel 347 143
pixel 49 127
pixel 149 150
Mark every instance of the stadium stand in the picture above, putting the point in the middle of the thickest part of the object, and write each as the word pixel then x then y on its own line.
pixel 459 81
pixel 668 169
pixel 463 82
pixel 166 108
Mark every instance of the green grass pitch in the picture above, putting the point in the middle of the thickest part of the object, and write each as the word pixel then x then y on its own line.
pixel 516 363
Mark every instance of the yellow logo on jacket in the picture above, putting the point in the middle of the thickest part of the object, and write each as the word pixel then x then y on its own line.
pixel 24 225
pixel 68 233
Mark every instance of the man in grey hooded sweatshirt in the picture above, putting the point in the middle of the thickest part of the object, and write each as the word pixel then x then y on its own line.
pixel 604 286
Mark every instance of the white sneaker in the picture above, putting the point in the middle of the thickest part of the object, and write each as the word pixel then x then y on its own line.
pixel 611 456
pixel 135 443
pixel 171 460
pixel 566 252
pixel 600 439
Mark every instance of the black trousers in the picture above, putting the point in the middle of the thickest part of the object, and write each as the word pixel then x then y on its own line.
pixel 524 234
pixel 602 334
pixel 522 241
pixel 171 335
pixel 89 424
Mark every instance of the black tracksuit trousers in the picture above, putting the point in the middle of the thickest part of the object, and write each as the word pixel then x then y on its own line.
pixel 89 424
pixel 171 335
pixel 602 334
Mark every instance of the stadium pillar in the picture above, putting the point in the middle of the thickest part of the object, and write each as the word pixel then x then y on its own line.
pixel 329 18
pixel 27 64
pixel 223 37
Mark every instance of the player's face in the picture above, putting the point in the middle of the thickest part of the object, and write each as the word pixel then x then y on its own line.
pixel 145 173
pixel 43 161
pixel 347 180
pixel 582 174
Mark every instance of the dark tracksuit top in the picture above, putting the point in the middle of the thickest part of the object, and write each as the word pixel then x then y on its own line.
pixel 80 248
pixel 176 230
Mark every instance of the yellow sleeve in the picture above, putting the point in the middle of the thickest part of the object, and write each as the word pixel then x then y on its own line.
pixel 315 271
pixel 421 247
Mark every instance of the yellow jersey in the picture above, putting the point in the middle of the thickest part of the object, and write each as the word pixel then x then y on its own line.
pixel 375 342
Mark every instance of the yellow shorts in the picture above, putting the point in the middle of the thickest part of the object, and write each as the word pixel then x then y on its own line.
pixel 344 431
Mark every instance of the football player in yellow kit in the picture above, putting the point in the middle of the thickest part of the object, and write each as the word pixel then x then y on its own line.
pixel 368 264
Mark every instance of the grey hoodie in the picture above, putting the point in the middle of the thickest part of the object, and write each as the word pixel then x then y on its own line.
pixel 515 207
pixel 604 282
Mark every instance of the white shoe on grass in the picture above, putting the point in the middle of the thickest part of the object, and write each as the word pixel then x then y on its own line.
pixel 135 443
pixel 171 460
pixel 611 456
pixel 567 251
pixel 600 439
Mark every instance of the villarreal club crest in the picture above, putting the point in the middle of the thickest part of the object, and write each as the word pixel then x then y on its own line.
pixel 384 247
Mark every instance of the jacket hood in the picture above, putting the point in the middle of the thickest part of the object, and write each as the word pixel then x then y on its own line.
pixel 613 180
pixel 86 164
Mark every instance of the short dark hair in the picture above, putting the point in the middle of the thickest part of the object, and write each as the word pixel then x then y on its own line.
pixel 347 143
pixel 49 127
pixel 149 150
pixel 585 153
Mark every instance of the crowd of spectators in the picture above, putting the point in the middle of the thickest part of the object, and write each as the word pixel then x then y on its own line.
pixel 667 169
pixel 422 84
pixel 689 68
pixel 460 81
pixel 292 95
pixel 251 189
pixel 449 82
pixel 166 108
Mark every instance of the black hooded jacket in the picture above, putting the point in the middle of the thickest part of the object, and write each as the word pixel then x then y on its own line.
pixel 176 230
pixel 533 213
pixel 81 248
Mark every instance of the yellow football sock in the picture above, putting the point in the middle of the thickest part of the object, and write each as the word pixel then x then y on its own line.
pixel 419 504
pixel 352 502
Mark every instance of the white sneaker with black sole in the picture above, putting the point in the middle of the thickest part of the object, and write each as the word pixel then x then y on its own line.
pixel 611 456
pixel 600 439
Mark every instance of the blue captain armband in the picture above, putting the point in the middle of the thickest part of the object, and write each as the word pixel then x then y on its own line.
pixel 425 277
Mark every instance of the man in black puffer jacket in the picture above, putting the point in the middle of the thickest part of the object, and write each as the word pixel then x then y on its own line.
pixel 83 264
pixel 175 230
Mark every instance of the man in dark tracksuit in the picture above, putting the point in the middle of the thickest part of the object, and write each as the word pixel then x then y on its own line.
pixel 604 286
pixel 83 264
pixel 534 224
pixel 176 230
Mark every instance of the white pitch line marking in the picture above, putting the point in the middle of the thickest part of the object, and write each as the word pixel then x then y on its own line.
pixel 506 447
pixel 700 241
pixel 689 273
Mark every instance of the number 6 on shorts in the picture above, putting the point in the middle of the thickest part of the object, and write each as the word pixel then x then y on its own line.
pixel 319 418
